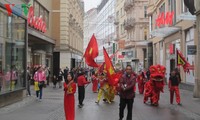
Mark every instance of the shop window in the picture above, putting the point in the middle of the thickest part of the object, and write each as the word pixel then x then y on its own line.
pixel 12 52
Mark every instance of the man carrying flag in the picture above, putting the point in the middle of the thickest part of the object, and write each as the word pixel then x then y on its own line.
pixel 91 52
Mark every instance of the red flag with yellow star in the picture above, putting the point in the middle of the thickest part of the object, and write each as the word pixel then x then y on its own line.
pixel 113 77
pixel 91 52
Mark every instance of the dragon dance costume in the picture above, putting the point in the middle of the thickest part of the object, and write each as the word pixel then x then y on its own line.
pixel 155 85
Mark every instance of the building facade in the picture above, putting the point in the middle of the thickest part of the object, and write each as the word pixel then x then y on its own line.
pixel 68 32
pixel 120 17
pixel 40 41
pixel 136 26
pixel 197 58
pixel 171 27
pixel 24 30
pixel 105 30
pixel 89 25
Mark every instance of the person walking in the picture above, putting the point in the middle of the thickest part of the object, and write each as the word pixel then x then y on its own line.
pixel 174 81
pixel 69 101
pixel 126 92
pixel 60 78
pixel 94 82
pixel 28 81
pixel 40 77
pixel 81 87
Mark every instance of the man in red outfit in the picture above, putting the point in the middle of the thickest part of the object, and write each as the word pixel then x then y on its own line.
pixel 174 81
pixel 81 87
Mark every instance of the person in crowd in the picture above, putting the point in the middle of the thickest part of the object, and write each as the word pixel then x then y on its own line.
pixel 47 72
pixel 60 78
pixel 141 81
pixel 103 90
pixel 174 81
pixel 55 79
pixel 148 74
pixel 178 75
pixel 65 72
pixel 40 78
pixel 81 87
pixel 12 76
pixel 28 81
pixel 69 100
pixel 94 82
pixel 126 92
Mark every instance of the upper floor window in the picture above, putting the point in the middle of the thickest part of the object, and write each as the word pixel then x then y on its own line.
pixel 145 11
pixel 40 10
pixel 172 8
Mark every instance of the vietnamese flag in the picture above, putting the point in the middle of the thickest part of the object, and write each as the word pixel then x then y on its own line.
pixel 113 77
pixel 181 61
pixel 91 52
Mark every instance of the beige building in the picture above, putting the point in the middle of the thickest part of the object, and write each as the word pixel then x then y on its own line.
pixel 197 58
pixel 136 26
pixel 171 27
pixel 25 40
pixel 68 32
pixel 120 17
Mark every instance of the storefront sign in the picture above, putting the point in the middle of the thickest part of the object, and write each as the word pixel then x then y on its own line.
pixel 33 21
pixel 36 22
pixel 171 48
pixel 162 20
pixel 191 49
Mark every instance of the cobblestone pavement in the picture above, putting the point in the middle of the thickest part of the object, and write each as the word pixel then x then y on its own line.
pixel 51 108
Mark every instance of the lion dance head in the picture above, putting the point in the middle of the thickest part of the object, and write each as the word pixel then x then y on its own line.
pixel 157 72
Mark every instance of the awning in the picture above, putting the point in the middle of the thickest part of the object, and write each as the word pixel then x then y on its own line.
pixel 186 16
pixel 39 35
pixel 165 31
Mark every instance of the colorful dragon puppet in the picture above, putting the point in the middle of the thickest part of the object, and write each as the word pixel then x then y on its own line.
pixel 155 85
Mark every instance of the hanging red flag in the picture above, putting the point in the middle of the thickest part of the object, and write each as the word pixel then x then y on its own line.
pixel 113 77
pixel 181 61
pixel 91 52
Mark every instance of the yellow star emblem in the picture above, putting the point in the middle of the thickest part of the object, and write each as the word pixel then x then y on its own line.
pixel 90 52
pixel 111 71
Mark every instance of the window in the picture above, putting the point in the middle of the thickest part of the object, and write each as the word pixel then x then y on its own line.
pixel 172 8
pixel 184 8
pixel 145 11
pixel 39 10
pixel 36 8
pixel 12 52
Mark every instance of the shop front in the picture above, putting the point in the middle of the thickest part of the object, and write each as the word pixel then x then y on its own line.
pixel 13 41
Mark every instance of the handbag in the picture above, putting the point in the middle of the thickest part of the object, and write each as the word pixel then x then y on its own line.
pixel 41 83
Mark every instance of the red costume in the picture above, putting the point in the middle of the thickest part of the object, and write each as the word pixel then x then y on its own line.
pixel 69 101
pixel 141 82
pixel 173 87
pixel 155 85
pixel 95 83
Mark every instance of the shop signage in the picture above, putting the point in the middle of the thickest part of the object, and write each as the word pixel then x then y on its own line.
pixel 33 21
pixel 165 19
pixel 191 49
pixel 171 48
pixel 36 22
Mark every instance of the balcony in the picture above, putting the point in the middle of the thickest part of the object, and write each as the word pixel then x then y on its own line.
pixel 129 23
pixel 128 4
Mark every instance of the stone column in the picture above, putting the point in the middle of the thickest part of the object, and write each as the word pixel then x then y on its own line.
pixel 197 58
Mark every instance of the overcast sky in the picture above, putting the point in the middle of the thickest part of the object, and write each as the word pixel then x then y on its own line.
pixel 91 4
